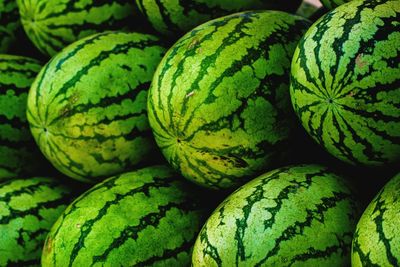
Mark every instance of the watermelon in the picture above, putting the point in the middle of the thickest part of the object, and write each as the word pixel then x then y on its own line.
pixel 52 25
pixel 19 155
pixel 147 217
pixel 173 18
pixel 28 209
pixel 345 82
pixel 219 101
pixel 9 23
pixel 300 215
pixel 331 4
pixel 376 241
pixel 87 107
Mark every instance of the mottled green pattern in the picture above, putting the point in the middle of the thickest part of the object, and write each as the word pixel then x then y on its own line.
pixel 19 155
pixel 179 16
pixel 9 23
pixel 28 209
pixel 52 25
pixel 345 84
pixel 149 217
pixel 376 241
pixel 87 107
pixel 219 102
pixel 300 215
pixel 331 4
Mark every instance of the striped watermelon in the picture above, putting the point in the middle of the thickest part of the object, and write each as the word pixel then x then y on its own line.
pixel 177 17
pixel 28 209
pixel 376 241
pixel 219 102
pixel 148 217
pixel 19 155
pixel 302 215
pixel 52 25
pixel 9 23
pixel 87 107
pixel 331 4
pixel 345 82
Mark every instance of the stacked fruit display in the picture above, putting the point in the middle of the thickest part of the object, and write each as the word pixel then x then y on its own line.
pixel 203 133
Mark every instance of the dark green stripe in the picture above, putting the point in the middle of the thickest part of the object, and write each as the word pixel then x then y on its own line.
pixel 150 219
pixel 87 226
pixel 364 258
pixel 298 227
pixel 106 102
pixel 209 249
pixel 313 253
pixel 168 254
pixel 14 214
pixel 28 189
pixel 164 14
pixel 96 61
pixel 379 211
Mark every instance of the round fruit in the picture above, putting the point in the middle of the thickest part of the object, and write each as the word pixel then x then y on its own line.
pixel 219 102
pixel 28 209
pixel 19 155
pixel 345 82
pixel 149 217
pixel 87 107
pixel 52 25
pixel 178 17
pixel 377 238
pixel 301 215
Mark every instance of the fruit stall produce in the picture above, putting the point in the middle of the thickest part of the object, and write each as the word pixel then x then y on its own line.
pixel 200 133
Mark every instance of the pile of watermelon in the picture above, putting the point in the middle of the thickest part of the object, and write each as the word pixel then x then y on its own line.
pixel 199 133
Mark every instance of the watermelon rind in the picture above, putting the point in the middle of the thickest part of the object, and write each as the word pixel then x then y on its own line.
pixel 219 103
pixel 147 217
pixel 28 209
pixel 87 107
pixel 345 79
pixel 299 215
pixel 376 241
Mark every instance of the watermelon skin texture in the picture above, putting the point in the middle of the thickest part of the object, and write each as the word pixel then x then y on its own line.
pixel 345 87
pixel 174 18
pixel 9 23
pixel 52 25
pixel 19 155
pixel 28 209
pixel 87 107
pixel 219 101
pixel 376 241
pixel 300 215
pixel 148 217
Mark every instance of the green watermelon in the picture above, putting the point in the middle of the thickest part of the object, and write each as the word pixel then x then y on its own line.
pixel 331 4
pixel 345 82
pixel 148 217
pixel 9 23
pixel 301 215
pixel 28 209
pixel 177 17
pixel 52 25
pixel 19 155
pixel 219 101
pixel 87 107
pixel 376 241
